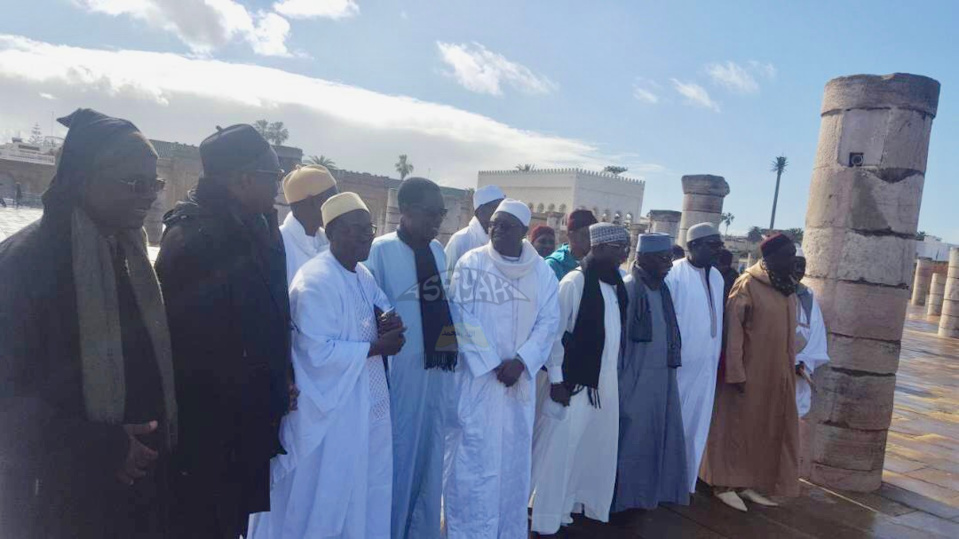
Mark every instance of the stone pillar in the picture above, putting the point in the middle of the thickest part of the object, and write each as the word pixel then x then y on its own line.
pixel 392 221
pixel 702 202
pixel 860 245
pixel 949 321
pixel 937 289
pixel 920 284
pixel 665 222
pixel 635 229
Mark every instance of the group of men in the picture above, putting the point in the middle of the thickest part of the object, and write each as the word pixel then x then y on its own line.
pixel 311 379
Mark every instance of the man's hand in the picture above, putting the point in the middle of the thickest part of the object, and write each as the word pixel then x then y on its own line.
pixel 294 394
pixel 740 387
pixel 509 371
pixel 388 322
pixel 388 343
pixel 139 456
pixel 560 393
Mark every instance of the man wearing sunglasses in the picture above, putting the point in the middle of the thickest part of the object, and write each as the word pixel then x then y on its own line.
pixel 223 272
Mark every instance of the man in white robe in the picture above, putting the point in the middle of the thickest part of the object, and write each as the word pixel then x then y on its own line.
pixel 575 450
pixel 476 233
pixel 409 266
pixel 697 291
pixel 336 478
pixel 811 350
pixel 306 189
pixel 508 315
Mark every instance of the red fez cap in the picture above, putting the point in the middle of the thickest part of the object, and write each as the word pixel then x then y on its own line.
pixel 539 230
pixel 774 243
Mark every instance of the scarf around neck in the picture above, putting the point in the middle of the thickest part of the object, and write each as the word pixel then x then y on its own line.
pixel 641 322
pixel 785 284
pixel 101 343
pixel 439 335
pixel 583 354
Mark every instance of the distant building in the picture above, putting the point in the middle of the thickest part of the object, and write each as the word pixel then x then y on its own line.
pixel 179 165
pixel 934 248
pixel 612 198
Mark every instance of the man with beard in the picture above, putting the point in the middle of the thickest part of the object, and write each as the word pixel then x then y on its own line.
pixel 652 456
pixel 408 266
pixel 223 273
pixel 88 413
pixel 505 297
pixel 754 439
pixel 697 292
pixel 574 452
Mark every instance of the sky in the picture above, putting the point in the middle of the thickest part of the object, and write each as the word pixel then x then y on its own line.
pixel 663 88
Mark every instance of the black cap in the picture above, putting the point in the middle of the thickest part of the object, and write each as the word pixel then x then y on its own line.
pixel 237 148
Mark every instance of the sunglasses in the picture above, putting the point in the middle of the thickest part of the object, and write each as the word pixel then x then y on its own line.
pixel 143 186
pixel 360 230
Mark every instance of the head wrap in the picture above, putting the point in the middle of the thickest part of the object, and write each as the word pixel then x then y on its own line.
pixel 540 230
pixel 799 253
pixel 237 148
pixel 340 204
pixel 487 194
pixel 700 231
pixel 91 137
pixel 601 233
pixel 307 181
pixel 774 243
pixel 580 219
pixel 516 209
pixel 653 243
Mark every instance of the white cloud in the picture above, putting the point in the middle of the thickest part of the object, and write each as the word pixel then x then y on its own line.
pixel 645 95
pixel 49 97
pixel 733 77
pixel 181 98
pixel 309 9
pixel 204 25
pixel 767 70
pixel 480 70
pixel 695 94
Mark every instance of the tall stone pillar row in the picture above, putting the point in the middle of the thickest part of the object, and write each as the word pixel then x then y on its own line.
pixel 392 220
pixel 665 222
pixel 937 289
pixel 920 284
pixel 860 245
pixel 703 196
pixel 949 321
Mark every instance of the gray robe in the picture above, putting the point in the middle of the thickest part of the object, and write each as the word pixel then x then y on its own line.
pixel 652 456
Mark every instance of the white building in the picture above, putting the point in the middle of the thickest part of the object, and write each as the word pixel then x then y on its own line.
pixel 612 198
pixel 934 248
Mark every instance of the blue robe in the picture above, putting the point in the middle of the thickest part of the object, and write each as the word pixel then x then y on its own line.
pixel 417 396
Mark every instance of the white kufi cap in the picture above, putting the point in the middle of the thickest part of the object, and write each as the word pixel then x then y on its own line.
pixel 516 209
pixel 487 194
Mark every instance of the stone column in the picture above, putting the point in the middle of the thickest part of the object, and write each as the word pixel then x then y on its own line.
pixel 665 222
pixel 392 221
pixel 936 291
pixel 920 285
pixel 635 229
pixel 702 202
pixel 949 321
pixel 860 245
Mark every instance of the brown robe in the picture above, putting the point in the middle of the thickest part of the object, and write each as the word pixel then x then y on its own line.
pixel 754 437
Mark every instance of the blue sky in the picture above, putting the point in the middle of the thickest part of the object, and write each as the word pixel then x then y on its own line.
pixel 467 85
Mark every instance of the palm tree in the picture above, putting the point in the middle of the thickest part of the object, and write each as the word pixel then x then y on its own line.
pixel 779 166
pixel 616 170
pixel 755 235
pixel 321 160
pixel 274 133
pixel 527 167
pixel 404 167
pixel 727 219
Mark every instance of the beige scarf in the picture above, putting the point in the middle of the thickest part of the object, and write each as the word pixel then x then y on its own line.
pixel 101 344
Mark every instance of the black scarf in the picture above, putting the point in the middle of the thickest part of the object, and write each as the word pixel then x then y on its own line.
pixel 785 284
pixel 641 323
pixel 583 354
pixel 439 335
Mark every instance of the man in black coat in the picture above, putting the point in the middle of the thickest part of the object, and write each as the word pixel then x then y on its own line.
pixel 87 407
pixel 222 269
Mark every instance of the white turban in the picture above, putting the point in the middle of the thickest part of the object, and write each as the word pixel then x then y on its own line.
pixel 487 194
pixel 516 209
